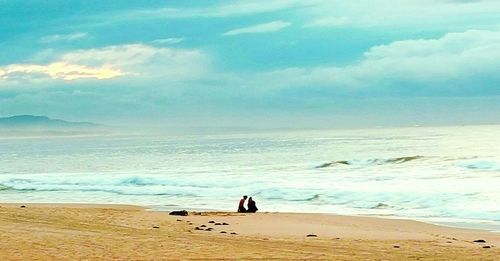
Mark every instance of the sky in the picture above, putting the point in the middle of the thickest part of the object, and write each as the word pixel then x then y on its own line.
pixel 252 63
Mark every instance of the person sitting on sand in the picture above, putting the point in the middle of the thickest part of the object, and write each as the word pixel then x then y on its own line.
pixel 252 208
pixel 241 206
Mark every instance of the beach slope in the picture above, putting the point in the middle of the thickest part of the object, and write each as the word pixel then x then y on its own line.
pixel 107 232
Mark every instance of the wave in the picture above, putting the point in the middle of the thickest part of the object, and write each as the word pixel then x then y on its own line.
pixel 112 190
pixel 398 160
pixel 381 206
pixel 289 194
pixel 121 185
pixel 481 165
pixel 4 187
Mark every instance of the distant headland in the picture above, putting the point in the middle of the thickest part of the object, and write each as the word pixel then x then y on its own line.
pixel 41 122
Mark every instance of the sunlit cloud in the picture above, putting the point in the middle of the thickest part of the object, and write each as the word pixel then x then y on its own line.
pixel 137 61
pixel 61 71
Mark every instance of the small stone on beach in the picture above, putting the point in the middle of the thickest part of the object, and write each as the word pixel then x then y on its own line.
pixel 203 226
pixel 223 232
pixel 479 241
pixel 23 206
pixel 156 227
pixel 396 246
pixel 211 221
pixel 218 224
pixel 225 224
pixel 486 247
pixel 234 233
pixel 311 235
pixel 197 228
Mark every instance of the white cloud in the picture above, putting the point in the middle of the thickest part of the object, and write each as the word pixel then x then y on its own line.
pixel 145 60
pixel 63 37
pixel 328 22
pixel 260 28
pixel 168 41
pixel 431 14
pixel 223 10
pixel 457 60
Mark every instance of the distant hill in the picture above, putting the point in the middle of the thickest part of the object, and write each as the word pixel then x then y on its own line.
pixel 41 122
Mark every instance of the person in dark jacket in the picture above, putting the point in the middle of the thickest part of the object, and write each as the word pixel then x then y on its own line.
pixel 252 208
pixel 241 206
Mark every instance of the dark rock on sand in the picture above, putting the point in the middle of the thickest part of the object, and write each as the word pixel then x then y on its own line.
pixel 203 226
pixel 156 227
pixel 486 247
pixel 197 228
pixel 211 221
pixel 179 213
pixel 311 235
pixel 234 233
pixel 23 206
pixel 225 224
pixel 179 219
pixel 218 224
pixel 479 241
pixel 396 246
pixel 223 232
pixel 209 229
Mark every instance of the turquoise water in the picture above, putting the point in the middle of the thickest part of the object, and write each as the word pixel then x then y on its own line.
pixel 440 174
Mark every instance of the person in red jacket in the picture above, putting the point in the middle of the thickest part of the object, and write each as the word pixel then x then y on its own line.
pixel 241 206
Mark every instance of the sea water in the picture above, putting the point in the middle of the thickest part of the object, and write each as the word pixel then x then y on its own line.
pixel 438 174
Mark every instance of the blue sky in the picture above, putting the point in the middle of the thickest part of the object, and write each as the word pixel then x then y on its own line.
pixel 271 63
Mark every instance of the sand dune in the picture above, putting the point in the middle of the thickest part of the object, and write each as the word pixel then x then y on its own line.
pixel 105 232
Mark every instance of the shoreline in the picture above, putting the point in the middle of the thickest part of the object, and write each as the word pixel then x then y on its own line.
pixel 478 225
pixel 61 231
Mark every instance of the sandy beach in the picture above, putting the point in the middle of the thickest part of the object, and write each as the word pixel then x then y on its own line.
pixel 110 232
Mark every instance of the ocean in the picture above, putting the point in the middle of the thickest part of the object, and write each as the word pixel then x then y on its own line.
pixel 446 175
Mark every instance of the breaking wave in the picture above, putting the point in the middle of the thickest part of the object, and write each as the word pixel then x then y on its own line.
pixel 370 162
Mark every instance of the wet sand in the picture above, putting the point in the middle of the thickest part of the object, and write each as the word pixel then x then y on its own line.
pixel 110 232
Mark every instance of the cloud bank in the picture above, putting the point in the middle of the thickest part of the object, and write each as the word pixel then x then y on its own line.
pixel 445 66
